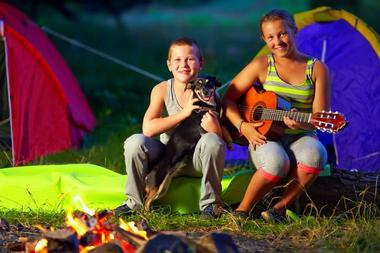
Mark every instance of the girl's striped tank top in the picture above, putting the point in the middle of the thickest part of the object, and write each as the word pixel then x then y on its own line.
pixel 300 96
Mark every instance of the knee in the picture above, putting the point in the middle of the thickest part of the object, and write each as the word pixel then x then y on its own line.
pixel 312 156
pixel 275 168
pixel 212 144
pixel 134 145
pixel 271 160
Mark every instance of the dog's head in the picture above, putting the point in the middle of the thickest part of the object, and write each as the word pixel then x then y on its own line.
pixel 204 89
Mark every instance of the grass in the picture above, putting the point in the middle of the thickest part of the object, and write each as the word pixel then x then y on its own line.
pixel 347 233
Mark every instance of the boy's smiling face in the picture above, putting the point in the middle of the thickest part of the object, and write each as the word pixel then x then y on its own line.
pixel 184 62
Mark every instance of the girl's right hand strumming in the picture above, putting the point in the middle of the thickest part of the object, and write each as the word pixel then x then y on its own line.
pixel 249 130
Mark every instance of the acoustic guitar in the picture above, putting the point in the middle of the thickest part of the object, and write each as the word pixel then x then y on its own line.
pixel 258 105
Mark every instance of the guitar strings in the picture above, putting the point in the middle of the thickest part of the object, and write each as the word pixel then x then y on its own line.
pixel 276 114
pixel 262 113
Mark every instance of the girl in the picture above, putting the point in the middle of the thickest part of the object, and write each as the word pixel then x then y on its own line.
pixel 184 61
pixel 304 82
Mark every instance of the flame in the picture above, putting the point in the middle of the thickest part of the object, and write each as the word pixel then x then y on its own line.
pixel 86 249
pixel 82 206
pixel 41 246
pixel 131 227
pixel 94 226
pixel 76 224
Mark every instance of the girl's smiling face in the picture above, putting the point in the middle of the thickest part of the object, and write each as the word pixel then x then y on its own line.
pixel 184 62
pixel 279 37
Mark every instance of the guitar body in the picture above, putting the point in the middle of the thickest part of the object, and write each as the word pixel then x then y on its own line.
pixel 256 98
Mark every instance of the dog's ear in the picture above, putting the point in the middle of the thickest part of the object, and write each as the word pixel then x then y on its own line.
pixel 190 85
pixel 217 82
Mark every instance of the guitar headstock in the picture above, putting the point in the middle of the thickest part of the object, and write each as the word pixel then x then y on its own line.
pixel 331 122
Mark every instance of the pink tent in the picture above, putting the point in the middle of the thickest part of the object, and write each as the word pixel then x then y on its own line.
pixel 48 112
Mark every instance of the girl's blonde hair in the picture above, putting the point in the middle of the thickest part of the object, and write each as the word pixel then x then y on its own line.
pixel 279 15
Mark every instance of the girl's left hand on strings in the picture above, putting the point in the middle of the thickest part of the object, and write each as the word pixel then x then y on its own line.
pixel 292 124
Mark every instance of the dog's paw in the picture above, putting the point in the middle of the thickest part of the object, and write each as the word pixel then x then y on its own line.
pixel 151 195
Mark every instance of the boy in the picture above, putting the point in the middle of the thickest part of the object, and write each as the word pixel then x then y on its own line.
pixel 184 61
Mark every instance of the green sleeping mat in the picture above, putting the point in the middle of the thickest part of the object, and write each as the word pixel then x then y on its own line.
pixel 53 187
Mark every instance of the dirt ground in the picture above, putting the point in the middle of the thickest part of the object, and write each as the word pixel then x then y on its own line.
pixel 14 237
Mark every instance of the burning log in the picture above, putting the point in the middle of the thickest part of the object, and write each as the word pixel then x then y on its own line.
pixel 62 241
pixel 88 233
pixel 110 247
pixel 135 240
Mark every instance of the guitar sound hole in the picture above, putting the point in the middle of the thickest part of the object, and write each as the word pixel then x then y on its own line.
pixel 258 113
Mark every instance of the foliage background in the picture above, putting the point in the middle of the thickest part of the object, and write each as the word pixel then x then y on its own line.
pixel 139 32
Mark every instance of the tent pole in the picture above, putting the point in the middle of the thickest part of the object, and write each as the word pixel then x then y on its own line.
pixel 324 48
pixel 2 35
pixel 323 59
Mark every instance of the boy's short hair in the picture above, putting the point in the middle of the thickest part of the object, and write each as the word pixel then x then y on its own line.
pixel 277 14
pixel 186 41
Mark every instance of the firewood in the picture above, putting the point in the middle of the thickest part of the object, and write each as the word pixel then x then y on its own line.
pixel 110 247
pixel 62 241
pixel 131 238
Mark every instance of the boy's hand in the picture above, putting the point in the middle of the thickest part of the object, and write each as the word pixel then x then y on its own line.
pixel 189 106
pixel 210 122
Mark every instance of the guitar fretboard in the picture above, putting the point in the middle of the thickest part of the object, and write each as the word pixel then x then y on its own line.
pixel 278 115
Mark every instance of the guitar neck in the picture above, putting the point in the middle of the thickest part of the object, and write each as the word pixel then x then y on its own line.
pixel 278 115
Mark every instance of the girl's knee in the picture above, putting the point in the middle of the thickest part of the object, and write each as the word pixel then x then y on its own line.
pixel 276 169
pixel 274 164
pixel 312 156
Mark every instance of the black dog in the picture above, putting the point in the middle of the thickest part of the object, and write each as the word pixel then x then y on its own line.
pixel 183 140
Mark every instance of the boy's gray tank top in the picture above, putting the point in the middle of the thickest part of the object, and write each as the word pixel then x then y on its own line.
pixel 172 106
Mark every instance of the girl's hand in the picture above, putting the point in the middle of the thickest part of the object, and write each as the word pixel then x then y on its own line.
pixel 189 106
pixel 210 122
pixel 249 130
pixel 292 124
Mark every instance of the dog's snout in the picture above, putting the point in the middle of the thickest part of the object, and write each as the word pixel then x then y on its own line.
pixel 208 91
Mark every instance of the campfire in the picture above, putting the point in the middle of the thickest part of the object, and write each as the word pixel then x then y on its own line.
pixel 91 233
pixel 87 231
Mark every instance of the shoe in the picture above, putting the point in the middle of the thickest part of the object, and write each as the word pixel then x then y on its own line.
pixel 211 212
pixel 272 216
pixel 240 214
pixel 123 210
